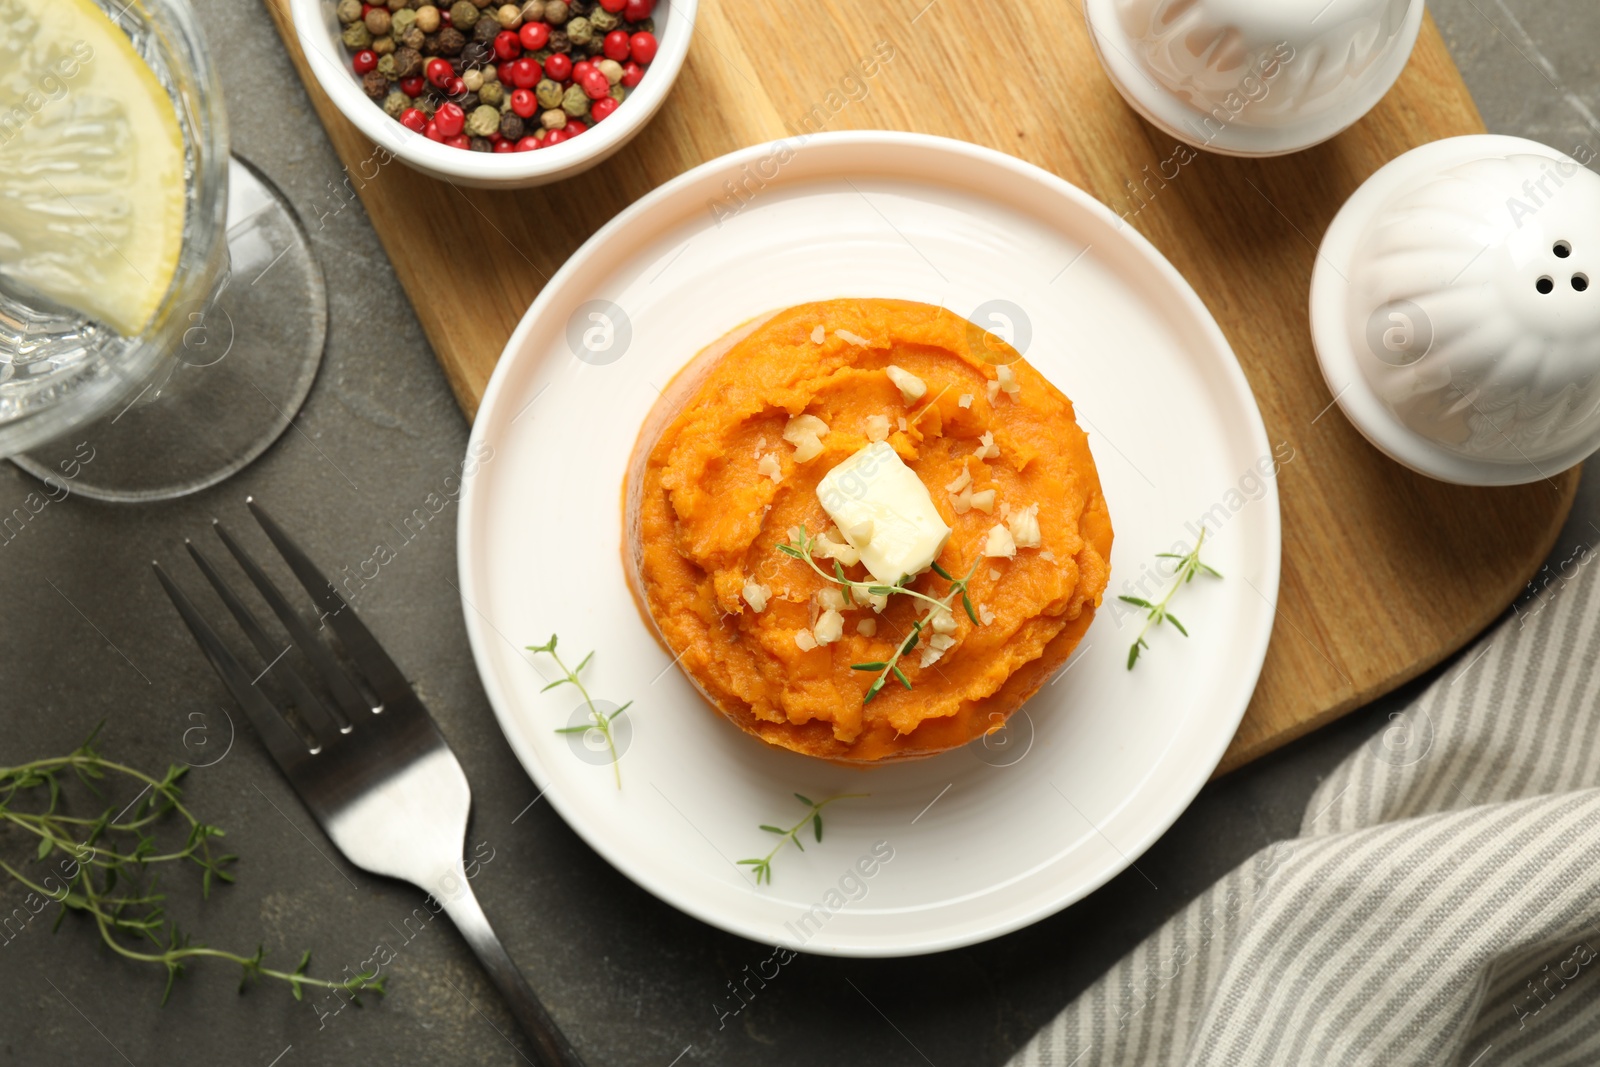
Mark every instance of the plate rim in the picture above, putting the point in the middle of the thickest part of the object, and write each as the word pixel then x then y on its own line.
pixel 572 812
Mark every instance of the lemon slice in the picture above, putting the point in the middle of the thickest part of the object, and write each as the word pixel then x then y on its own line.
pixel 91 164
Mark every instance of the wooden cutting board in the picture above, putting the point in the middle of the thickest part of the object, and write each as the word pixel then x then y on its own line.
pixel 1384 572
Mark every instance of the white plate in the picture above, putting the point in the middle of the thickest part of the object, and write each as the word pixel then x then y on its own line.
pixel 986 839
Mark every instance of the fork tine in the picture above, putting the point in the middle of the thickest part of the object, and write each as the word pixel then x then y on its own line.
pixel 386 679
pixel 288 748
pixel 339 684
pixel 327 723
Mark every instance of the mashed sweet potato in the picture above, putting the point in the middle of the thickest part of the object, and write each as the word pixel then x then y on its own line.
pixel 713 488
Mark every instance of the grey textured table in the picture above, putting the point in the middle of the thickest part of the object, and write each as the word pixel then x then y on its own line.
pixel 88 635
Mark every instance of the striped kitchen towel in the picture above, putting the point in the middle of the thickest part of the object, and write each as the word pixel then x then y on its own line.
pixel 1440 906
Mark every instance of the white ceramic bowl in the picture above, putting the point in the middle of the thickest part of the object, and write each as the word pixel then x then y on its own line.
pixel 1453 311
pixel 1253 77
pixel 317 28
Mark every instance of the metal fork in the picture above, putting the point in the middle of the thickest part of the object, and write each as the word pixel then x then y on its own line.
pixel 374 771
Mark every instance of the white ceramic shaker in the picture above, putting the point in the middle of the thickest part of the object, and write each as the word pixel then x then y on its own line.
pixel 1454 310
pixel 1253 77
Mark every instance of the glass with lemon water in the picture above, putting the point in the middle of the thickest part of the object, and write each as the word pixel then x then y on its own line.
pixel 120 212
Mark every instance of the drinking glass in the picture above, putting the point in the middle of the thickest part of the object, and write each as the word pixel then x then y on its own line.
pixel 223 366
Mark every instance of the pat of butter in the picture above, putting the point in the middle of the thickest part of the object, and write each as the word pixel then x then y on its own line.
pixel 874 487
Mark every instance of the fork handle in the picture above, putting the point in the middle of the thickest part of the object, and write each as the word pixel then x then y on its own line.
pixel 550 1045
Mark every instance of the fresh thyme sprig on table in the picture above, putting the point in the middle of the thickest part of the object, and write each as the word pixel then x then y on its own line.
pixel 106 870
pixel 1155 614
pixel 600 720
pixel 800 548
pixel 762 865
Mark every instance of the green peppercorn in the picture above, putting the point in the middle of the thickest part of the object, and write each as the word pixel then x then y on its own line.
pixel 579 31
pixel 493 94
pixel 549 93
pixel 386 67
pixel 553 119
pixel 383 46
pixel 395 103
pixel 482 120
pixel 575 102
pixel 401 21
pixel 619 92
pixel 463 15
pixel 356 36
pixel 555 12
pixel 348 11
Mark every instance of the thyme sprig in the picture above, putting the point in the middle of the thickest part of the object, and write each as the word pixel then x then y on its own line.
pixel 599 720
pixel 800 547
pixel 762 865
pixel 1155 614
pixel 106 872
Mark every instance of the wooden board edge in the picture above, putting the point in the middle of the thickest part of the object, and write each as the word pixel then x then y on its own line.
pixel 1567 484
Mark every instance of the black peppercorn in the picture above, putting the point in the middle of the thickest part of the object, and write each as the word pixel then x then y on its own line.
pixel 451 41
pixel 430 44
pixel 468 101
pixel 476 55
pixel 481 144
pixel 407 63
pixel 558 42
pixel 485 30
pixel 375 85
pixel 511 127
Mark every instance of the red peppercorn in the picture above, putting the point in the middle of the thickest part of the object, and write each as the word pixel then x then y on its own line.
pixel 413 119
pixel 554 137
pixel 638 10
pixel 438 72
pixel 614 6
pixel 644 48
pixel 581 69
pixel 602 108
pixel 525 72
pixel 365 61
pixel 460 140
pixel 412 87
pixel 455 86
pixel 524 103
pixel 632 74
pixel 431 131
pixel 617 45
pixel 450 119
pixel 364 9
pixel 528 143
pixel 573 128
pixel 507 45
pixel 558 67
pixel 446 21
pixel 504 145
pixel 503 71
pixel 534 35
pixel 594 85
